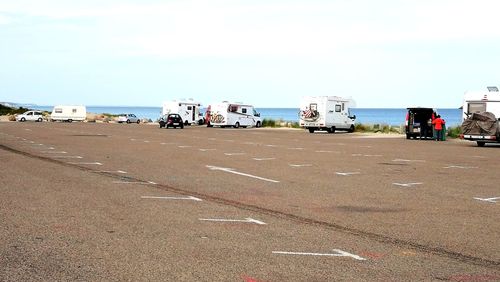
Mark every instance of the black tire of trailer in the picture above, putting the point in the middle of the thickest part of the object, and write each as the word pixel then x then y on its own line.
pixel 237 125
pixel 331 129
pixel 481 143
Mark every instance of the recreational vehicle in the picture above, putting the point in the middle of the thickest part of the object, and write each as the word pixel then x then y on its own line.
pixel 327 113
pixel 68 113
pixel 188 110
pixel 233 114
pixel 481 113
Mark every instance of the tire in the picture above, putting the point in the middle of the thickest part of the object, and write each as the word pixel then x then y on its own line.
pixel 311 130
pixel 39 120
pixel 237 125
pixel 22 119
pixel 351 129
pixel 70 120
pixel 258 124
pixel 138 121
pixel 408 136
pixel 182 126
pixel 128 121
pixel 481 144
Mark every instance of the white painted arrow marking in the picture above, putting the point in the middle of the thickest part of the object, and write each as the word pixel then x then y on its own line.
pixel 234 154
pixel 461 167
pixel 407 184
pixel 263 159
pixel 92 163
pixel 346 173
pixel 191 198
pixel 299 165
pixel 491 200
pixel 67 157
pixel 338 253
pixel 230 170
pixel 246 220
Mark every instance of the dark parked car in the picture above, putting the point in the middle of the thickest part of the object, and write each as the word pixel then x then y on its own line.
pixel 171 120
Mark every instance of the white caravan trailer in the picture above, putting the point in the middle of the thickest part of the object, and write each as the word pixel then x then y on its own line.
pixel 481 114
pixel 233 114
pixel 68 113
pixel 188 110
pixel 327 113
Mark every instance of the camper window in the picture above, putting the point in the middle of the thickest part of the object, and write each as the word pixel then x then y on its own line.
pixel 74 111
pixel 233 108
pixel 343 106
pixel 476 108
pixel 244 110
pixel 58 111
pixel 338 108
pixel 189 108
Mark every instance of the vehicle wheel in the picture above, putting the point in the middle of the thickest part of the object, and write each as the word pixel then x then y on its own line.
pixel 257 124
pixel 138 121
pixel 128 121
pixel 70 120
pixel 237 125
pixel 332 130
pixel 23 120
pixel 182 126
pixel 351 129
pixel 408 136
pixel 39 119
pixel 200 122
pixel 480 143
pixel 311 130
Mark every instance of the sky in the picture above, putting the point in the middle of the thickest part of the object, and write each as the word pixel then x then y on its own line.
pixel 269 53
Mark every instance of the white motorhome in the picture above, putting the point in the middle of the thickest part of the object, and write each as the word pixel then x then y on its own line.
pixel 68 113
pixel 188 110
pixel 327 113
pixel 481 114
pixel 233 114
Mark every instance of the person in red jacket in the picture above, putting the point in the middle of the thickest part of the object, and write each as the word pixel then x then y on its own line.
pixel 438 125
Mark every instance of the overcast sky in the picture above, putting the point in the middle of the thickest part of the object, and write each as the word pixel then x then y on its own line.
pixel 384 54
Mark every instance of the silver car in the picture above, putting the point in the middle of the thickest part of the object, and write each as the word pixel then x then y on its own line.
pixel 128 118
pixel 30 116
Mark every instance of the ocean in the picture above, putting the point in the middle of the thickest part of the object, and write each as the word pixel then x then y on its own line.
pixel 393 117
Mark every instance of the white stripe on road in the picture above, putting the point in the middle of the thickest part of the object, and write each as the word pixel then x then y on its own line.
pixel 92 163
pixel 246 220
pixel 338 253
pixel 230 170
pixel 172 198
pixel 407 184
pixel 491 200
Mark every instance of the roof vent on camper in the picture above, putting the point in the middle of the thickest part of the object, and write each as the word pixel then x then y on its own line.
pixel 492 89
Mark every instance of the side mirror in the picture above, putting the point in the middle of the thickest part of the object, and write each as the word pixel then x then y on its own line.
pixel 353 117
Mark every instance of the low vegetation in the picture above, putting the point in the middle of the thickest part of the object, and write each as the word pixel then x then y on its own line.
pixel 4 110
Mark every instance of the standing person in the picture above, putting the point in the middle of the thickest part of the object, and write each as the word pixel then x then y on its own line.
pixel 438 123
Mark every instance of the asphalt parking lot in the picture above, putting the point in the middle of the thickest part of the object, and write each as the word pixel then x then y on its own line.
pixel 87 201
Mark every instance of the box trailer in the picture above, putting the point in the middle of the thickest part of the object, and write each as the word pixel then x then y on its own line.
pixel 189 110
pixel 68 113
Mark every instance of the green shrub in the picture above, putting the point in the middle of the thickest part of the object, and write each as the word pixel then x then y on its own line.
pixel 269 123
pixel 453 131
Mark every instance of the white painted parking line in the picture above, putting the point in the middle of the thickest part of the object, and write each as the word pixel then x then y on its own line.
pixel 361 155
pixel 326 151
pixel 230 170
pixel 300 165
pixel 405 160
pixel 54 152
pixel 135 182
pixel 246 220
pixel 337 253
pixel 205 150
pixel 91 163
pixel 67 157
pixel 234 154
pixel 346 173
pixel 407 184
pixel 146 141
pixel 184 146
pixel 296 148
pixel 271 145
pixel 191 198
pixel 491 200
pixel 263 159
pixel 113 171
pixel 461 167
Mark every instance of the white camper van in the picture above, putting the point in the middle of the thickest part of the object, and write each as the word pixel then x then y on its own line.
pixel 481 114
pixel 233 114
pixel 188 110
pixel 327 113
pixel 68 113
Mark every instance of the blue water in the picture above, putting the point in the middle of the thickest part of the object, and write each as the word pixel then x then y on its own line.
pixel 363 115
